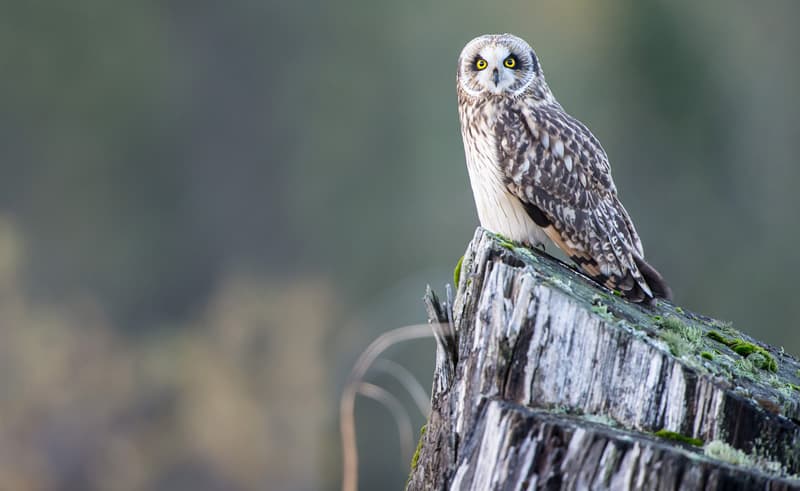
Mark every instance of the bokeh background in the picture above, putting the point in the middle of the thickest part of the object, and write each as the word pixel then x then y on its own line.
pixel 209 209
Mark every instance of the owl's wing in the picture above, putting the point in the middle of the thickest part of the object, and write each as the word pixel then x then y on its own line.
pixel 561 174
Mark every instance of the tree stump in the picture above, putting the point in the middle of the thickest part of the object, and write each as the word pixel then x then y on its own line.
pixel 545 380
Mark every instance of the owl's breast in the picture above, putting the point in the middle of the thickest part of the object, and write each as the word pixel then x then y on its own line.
pixel 498 209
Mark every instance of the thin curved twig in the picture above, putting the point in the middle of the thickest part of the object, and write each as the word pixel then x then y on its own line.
pixel 347 402
pixel 404 429
pixel 408 381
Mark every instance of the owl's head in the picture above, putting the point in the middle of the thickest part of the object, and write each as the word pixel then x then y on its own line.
pixel 500 64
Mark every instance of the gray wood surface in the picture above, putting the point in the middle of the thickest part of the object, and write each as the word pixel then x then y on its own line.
pixel 546 381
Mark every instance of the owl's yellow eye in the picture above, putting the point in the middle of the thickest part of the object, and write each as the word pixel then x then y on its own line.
pixel 510 62
pixel 481 64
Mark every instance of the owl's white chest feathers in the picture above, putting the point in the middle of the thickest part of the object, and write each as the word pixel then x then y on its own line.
pixel 499 211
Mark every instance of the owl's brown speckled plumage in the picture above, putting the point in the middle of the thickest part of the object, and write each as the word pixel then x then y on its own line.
pixel 538 172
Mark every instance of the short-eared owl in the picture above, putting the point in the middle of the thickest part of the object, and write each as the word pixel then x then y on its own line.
pixel 538 172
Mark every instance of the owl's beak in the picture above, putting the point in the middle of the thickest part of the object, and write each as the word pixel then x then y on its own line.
pixel 496 77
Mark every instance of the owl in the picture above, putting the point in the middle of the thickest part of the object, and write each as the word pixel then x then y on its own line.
pixel 539 174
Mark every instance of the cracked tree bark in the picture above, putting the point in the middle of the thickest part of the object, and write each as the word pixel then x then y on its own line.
pixel 546 381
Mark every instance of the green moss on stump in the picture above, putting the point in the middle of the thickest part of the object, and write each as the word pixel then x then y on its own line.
pixel 722 451
pixel 681 338
pixel 415 458
pixel 514 247
pixel 505 242
pixel 677 437
pixel 601 309
pixel 756 355
pixel 457 271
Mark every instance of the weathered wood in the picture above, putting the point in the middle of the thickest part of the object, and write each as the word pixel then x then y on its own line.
pixel 546 381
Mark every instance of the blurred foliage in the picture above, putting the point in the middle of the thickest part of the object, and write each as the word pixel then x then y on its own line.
pixel 211 208
pixel 212 405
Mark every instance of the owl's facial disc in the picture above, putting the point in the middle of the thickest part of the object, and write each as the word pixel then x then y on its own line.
pixel 497 64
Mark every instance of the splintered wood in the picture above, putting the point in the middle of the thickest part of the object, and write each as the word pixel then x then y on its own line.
pixel 545 380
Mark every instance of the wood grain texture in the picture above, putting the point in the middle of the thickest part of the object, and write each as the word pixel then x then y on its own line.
pixel 546 381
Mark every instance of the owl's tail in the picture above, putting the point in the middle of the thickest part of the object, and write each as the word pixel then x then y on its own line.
pixel 642 285
pixel 653 278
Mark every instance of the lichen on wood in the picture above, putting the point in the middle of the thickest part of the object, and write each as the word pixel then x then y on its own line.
pixel 540 357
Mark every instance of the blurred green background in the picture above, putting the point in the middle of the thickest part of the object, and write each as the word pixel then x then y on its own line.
pixel 208 209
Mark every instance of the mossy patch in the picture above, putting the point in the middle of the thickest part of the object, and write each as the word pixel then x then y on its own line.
pixel 744 367
pixel 677 437
pixel 754 354
pixel 457 271
pixel 787 389
pixel 690 333
pixel 514 247
pixel 415 458
pixel 720 450
pixel 707 355
pixel 676 344
pixel 505 242
pixel 681 338
pixel 601 309
pixel 759 360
